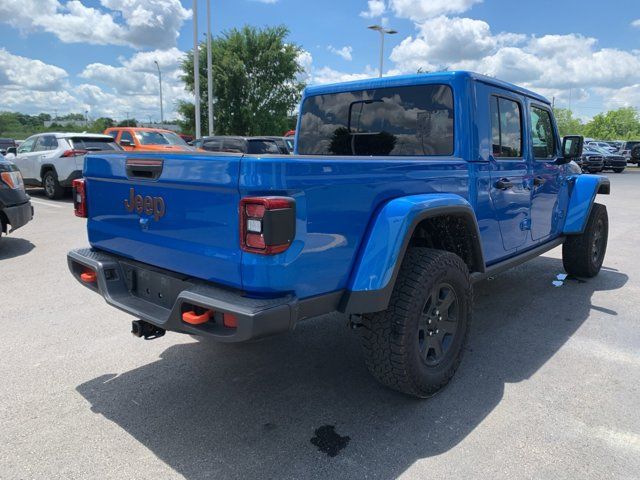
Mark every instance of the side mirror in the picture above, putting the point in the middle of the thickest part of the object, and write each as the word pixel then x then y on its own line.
pixel 572 147
pixel 126 143
pixel 13 150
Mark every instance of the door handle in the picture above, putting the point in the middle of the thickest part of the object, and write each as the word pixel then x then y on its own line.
pixel 537 181
pixel 503 184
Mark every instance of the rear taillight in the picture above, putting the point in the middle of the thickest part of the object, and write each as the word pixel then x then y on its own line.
pixel 74 153
pixel 267 224
pixel 80 198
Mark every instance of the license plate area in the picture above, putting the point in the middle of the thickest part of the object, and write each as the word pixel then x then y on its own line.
pixel 153 286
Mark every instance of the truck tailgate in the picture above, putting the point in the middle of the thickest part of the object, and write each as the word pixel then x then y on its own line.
pixel 174 211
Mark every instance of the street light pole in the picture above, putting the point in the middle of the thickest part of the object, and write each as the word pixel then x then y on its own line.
pixel 209 73
pixel 383 31
pixel 196 68
pixel 160 81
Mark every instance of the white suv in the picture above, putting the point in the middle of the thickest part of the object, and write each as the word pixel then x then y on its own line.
pixel 55 160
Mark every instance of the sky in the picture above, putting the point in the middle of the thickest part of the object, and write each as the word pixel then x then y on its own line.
pixel 63 56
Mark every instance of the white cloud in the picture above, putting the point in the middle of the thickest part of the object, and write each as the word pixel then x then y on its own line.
pixel 551 63
pixel 375 8
pixel 424 9
pixel 636 23
pixel 18 72
pixel 134 23
pixel 329 75
pixel 344 52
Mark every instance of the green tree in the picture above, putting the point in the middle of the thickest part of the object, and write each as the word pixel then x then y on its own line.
pixel 255 78
pixel 99 125
pixel 623 124
pixel 128 122
pixel 567 124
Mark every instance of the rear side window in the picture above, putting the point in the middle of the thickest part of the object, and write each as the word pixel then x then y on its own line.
pixel 45 143
pixel 212 145
pixel 506 128
pixel 542 136
pixel 403 121
pixel 234 145
pixel 262 147
pixel 94 144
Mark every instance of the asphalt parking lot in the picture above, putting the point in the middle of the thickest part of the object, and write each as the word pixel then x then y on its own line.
pixel 549 386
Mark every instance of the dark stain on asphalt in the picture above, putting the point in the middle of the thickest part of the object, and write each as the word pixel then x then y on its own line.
pixel 328 441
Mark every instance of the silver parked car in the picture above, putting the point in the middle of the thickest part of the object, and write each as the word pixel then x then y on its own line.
pixel 55 160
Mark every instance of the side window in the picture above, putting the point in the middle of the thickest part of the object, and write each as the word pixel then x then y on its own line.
pixel 506 128
pixel 212 145
pixel 27 145
pixel 234 145
pixel 40 144
pixel 50 142
pixel 113 133
pixel 127 136
pixel 542 136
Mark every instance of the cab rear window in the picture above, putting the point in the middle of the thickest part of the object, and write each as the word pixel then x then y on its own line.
pixel 401 121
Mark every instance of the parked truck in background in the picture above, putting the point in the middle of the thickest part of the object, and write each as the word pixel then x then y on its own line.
pixel 402 194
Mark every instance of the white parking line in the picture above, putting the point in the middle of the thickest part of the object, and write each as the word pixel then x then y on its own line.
pixel 40 202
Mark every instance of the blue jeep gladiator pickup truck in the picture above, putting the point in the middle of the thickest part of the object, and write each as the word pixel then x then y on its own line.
pixel 402 193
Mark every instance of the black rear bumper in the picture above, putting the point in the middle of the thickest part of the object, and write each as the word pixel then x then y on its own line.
pixel 18 215
pixel 160 297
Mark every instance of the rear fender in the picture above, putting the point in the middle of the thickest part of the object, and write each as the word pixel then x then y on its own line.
pixel 582 195
pixel 373 277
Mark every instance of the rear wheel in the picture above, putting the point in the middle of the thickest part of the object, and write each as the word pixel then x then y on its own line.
pixel 416 345
pixel 582 255
pixel 618 170
pixel 52 187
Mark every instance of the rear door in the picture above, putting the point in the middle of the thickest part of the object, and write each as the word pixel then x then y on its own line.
pixel 547 175
pixel 509 168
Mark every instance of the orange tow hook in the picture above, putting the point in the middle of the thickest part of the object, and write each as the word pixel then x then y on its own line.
pixel 88 276
pixel 193 318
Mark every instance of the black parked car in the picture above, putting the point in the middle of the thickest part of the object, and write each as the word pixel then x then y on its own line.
pixel 15 206
pixel 591 161
pixel 251 145
pixel 6 144
pixel 612 161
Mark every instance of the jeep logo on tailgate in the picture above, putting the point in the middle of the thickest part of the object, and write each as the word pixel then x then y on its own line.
pixel 147 205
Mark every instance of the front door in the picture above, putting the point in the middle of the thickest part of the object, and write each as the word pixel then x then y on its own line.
pixel 23 159
pixel 509 170
pixel 547 175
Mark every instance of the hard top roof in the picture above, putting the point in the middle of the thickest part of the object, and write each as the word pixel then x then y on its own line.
pixel 418 79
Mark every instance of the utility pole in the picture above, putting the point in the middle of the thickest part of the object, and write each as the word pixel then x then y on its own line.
pixel 160 81
pixel 383 31
pixel 209 72
pixel 196 68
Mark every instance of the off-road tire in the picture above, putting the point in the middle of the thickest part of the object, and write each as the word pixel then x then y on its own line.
pixel 52 188
pixel 391 339
pixel 582 255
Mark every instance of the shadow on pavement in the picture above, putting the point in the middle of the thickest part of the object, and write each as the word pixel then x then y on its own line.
pixel 11 247
pixel 247 411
